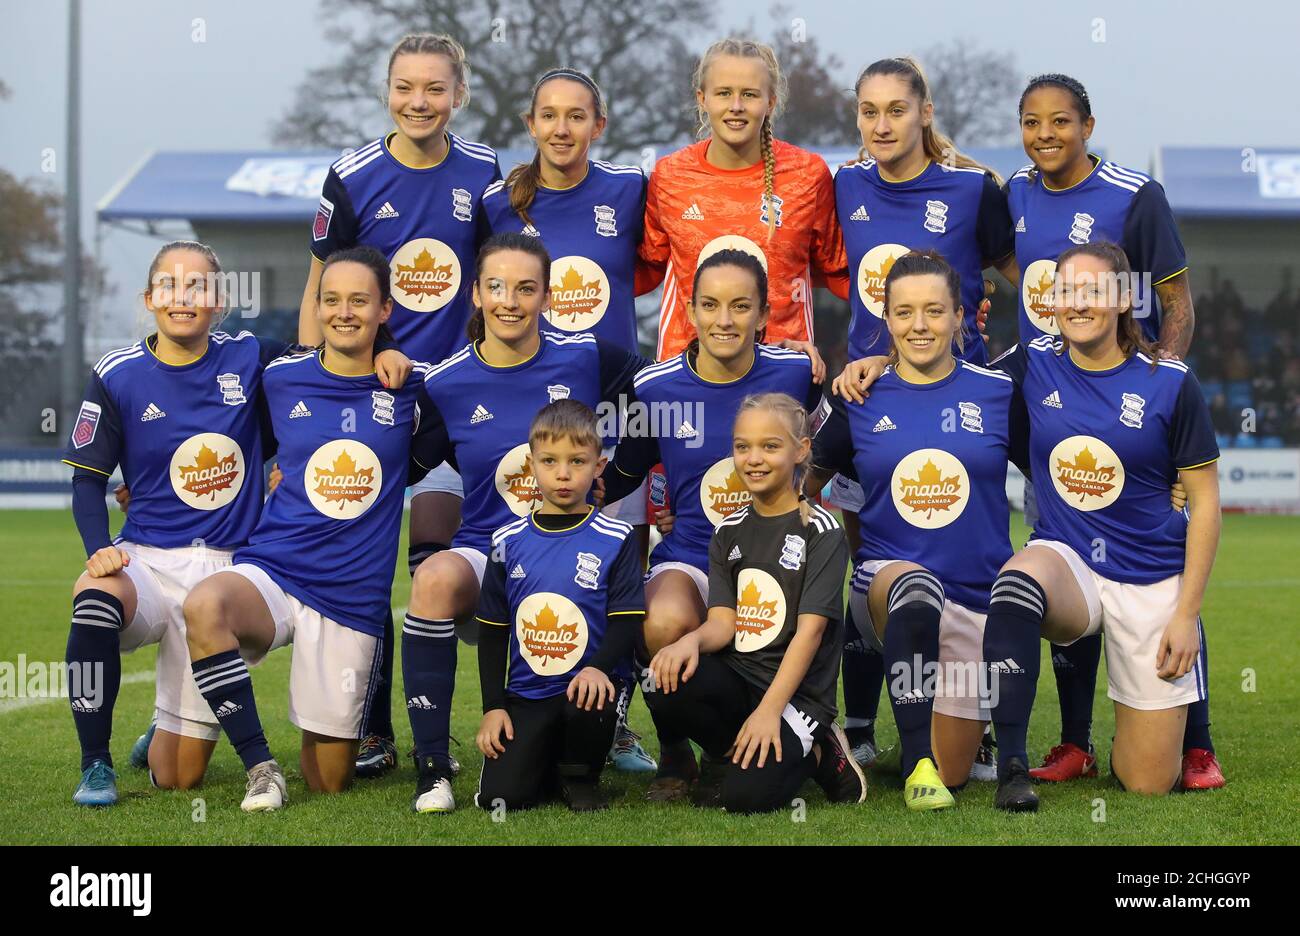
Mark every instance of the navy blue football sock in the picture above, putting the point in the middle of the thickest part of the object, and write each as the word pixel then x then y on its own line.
pixel 379 720
pixel 94 670
pixel 429 674
pixel 224 681
pixel 1012 630
pixel 1075 667
pixel 1197 732
pixel 911 653
pixel 864 673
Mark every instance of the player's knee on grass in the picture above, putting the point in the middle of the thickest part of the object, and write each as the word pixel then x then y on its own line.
pixel 499 787
pixel 744 792
pixel 328 764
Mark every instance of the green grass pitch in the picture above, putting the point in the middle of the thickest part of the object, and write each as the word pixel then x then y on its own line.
pixel 1251 621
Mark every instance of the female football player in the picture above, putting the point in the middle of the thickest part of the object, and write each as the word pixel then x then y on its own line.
pixel 695 397
pixel 1114 426
pixel 911 190
pixel 742 188
pixel 755 684
pixel 929 448
pixel 1068 196
pixel 179 412
pixel 307 575
pixel 588 214
pixel 487 394
pixel 415 195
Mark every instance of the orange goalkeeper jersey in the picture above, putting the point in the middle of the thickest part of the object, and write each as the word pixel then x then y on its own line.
pixel 693 209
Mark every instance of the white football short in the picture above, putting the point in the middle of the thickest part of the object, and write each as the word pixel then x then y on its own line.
pixel 162 579
pixel 698 576
pixel 1133 619
pixel 631 509
pixel 846 494
pixel 335 669
pixel 442 479
pixel 961 646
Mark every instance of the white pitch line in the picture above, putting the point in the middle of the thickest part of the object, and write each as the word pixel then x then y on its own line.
pixel 14 705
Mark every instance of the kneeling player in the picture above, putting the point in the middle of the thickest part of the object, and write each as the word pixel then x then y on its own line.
pixel 1115 427
pixel 561 603
pixel 754 686
pixel 317 569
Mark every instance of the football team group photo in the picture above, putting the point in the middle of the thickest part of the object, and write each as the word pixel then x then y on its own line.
pixel 789 478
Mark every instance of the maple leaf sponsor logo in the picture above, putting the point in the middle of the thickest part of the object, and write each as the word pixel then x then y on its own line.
pixel 546 638
pixel 760 610
pixel 930 488
pixel 424 277
pixel 722 492
pixel 1038 293
pixel 425 274
pixel 207 470
pixel 1084 476
pixel 210 473
pixel 753 614
pixel 344 481
pixel 515 482
pixel 343 478
pixel 1086 472
pixel 551 633
pixel 872 270
pixel 572 295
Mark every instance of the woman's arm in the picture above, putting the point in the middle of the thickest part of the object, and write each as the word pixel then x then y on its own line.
pixel 1178 318
pixel 1181 643
pixel 309 333
pixel 90 509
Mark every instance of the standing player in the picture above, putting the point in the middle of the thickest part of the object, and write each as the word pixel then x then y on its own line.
pixel 486 394
pixel 755 684
pixel 1114 426
pixel 416 196
pixel 912 190
pixel 930 448
pixel 1065 198
pixel 310 572
pixel 690 403
pixel 588 214
pixel 741 188
pixel 561 602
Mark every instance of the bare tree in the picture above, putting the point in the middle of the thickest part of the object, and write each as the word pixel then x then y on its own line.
pixel 820 110
pixel 639 54
pixel 974 91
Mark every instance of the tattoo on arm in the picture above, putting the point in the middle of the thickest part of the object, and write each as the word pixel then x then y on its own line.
pixel 1178 319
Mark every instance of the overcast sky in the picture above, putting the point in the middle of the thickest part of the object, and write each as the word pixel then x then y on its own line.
pixel 1167 73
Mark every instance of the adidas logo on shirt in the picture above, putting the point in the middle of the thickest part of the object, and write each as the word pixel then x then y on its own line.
pixel 517 572
pixel 480 415
pixel 693 213
pixel 299 409
pixel 1006 666
pixel 228 708
pixel 884 425
pixel 734 554
pixel 388 211
pixel 151 412
pixel 1020 225
pixel 685 431
pixel 1053 400
pixel 860 214
pixel 420 702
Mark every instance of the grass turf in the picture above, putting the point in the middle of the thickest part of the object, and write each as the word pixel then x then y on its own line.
pixel 1250 617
